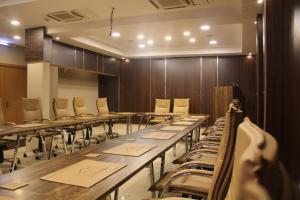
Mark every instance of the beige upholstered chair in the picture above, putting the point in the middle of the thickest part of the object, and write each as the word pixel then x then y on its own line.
pixel 80 109
pixel 161 106
pixel 102 106
pixel 60 108
pixel 32 112
pixel 181 106
pixel 200 182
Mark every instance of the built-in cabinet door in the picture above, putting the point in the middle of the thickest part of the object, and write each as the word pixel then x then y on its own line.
pixel 13 86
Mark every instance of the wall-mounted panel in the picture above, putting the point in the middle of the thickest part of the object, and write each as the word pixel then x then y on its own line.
pixel 90 60
pixel 111 65
pixel 63 54
pixel 79 58
pixel 101 63
pixel 158 90
pixel 209 81
pixel 184 81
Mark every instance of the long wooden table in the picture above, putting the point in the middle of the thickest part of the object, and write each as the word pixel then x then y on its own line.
pixel 40 189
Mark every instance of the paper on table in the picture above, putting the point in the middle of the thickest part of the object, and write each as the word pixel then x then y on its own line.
pixel 29 125
pixel 13 185
pixel 173 128
pixel 197 116
pixel 92 155
pixel 183 123
pixel 85 173
pixel 189 119
pixel 130 149
pixel 159 135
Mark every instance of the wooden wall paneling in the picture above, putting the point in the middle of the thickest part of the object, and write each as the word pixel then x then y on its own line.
pixel 109 88
pixel 79 58
pixel 222 97
pixel 101 63
pixel 135 85
pixel 13 86
pixel 209 81
pixel 63 54
pixel 34 44
pixel 228 70
pixel 111 65
pixel 90 61
pixel 157 80
pixel 47 48
pixel 183 81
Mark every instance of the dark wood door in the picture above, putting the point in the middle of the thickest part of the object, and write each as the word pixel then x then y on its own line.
pixel 13 86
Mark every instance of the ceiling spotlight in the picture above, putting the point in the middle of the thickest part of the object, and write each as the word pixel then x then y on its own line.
pixel 255 22
pixel 142 46
pixel 205 27
pixel 115 34
pixel 57 38
pixel 127 60
pixel 249 56
pixel 260 1
pixel 123 58
pixel 15 22
pixel 140 37
pixel 186 33
pixel 213 42
pixel 150 42
pixel 16 37
pixel 168 38
pixel 192 40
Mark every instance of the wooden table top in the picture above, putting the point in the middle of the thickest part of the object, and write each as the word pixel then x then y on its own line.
pixel 14 129
pixel 40 189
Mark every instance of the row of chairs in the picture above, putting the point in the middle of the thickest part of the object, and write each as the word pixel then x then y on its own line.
pixel 236 161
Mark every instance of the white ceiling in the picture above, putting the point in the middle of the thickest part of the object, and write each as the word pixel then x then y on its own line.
pixel 231 24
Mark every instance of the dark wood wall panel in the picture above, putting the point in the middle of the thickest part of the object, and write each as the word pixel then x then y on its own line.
pixel 184 81
pixel 283 72
pixel 63 54
pixel 101 63
pixel 111 65
pixel 90 60
pixel 109 88
pixel 79 58
pixel 157 80
pixel 228 70
pixel 209 81
pixel 135 85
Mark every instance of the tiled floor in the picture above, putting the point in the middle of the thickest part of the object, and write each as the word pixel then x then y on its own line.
pixel 135 188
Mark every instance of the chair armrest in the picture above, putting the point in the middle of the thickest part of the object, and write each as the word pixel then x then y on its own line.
pixel 196 163
pixel 199 151
pixel 182 173
pixel 10 123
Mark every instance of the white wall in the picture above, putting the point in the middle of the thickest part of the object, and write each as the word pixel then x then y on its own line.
pixel 12 55
pixel 73 83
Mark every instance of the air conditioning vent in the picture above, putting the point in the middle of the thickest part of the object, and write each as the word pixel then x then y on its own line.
pixel 66 16
pixel 175 4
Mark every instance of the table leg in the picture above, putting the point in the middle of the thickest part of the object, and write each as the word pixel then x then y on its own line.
pixel 74 139
pixel 130 124
pixel 174 150
pixel 116 194
pixel 152 178
pixel 14 161
pixel 191 139
pixel 127 128
pixel 141 120
pixel 64 142
pixel 162 165
pixel 186 143
pixel 51 148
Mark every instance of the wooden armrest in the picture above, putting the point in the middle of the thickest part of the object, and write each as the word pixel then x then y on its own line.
pixel 195 163
pixel 10 123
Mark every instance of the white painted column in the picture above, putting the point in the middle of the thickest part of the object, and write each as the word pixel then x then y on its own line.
pixel 42 83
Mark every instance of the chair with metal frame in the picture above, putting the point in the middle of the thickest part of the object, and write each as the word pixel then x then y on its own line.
pixel 162 106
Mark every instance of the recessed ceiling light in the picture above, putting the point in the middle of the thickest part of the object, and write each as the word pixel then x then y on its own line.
pixel 255 22
pixel 15 22
pixel 142 46
pixel 57 38
pixel 115 34
pixel 186 33
pixel 192 40
pixel 150 42
pixel 16 37
pixel 127 60
pixel 168 38
pixel 123 58
pixel 205 27
pixel 140 36
pixel 213 42
pixel 249 55
pixel 260 1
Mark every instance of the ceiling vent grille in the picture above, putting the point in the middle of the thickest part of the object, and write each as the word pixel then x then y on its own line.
pixel 175 4
pixel 66 16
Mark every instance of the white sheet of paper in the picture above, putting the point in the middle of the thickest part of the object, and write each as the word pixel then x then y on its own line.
pixel 159 135
pixel 173 128
pixel 130 149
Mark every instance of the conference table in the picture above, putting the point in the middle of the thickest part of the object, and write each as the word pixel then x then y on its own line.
pixel 41 189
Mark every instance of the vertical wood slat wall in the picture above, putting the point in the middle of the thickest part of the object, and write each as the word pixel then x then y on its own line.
pixel 144 80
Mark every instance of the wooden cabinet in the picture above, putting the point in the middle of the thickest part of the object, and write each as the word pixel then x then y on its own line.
pixel 13 86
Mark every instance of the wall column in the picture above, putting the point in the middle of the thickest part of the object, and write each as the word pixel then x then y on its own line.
pixel 42 83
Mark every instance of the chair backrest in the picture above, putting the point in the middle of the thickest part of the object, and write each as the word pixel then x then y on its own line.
pixel 162 106
pixel 102 106
pixel 181 106
pixel 2 120
pixel 79 106
pixel 247 163
pixel 32 110
pixel 225 151
pixel 60 108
